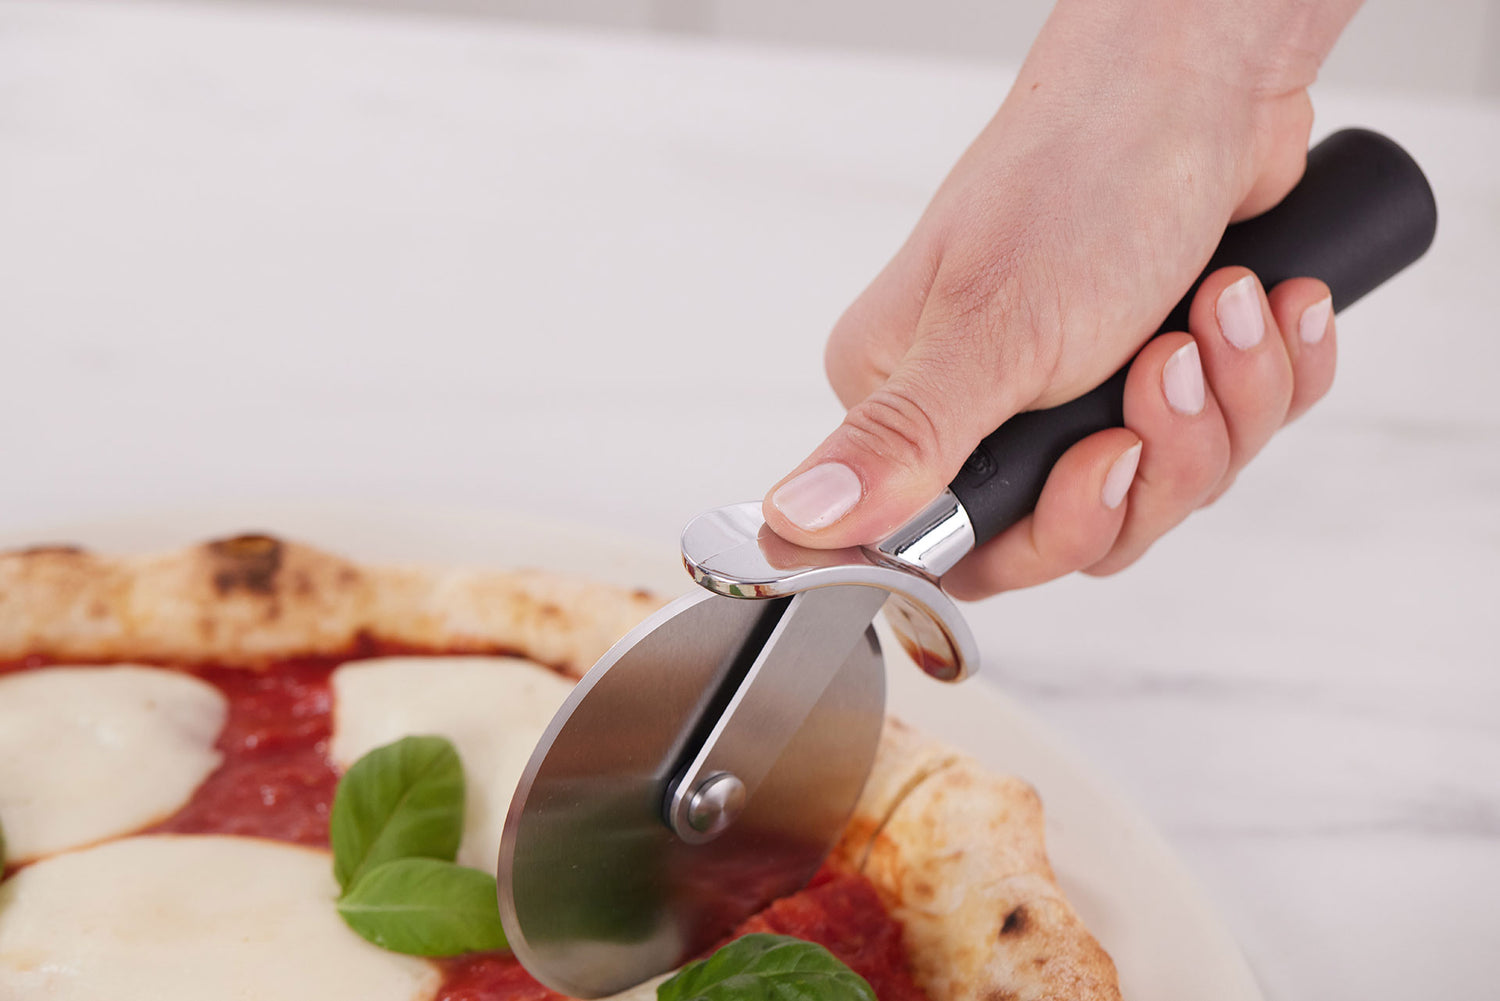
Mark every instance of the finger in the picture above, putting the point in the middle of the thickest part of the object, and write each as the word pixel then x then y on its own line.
pixel 876 331
pixel 898 447
pixel 1244 358
pixel 1303 308
pixel 1290 118
pixel 1076 520
pixel 1185 444
pixel 895 450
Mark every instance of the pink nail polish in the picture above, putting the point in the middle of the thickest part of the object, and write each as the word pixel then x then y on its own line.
pixel 1120 476
pixel 1182 380
pixel 1314 322
pixel 1240 317
pixel 818 497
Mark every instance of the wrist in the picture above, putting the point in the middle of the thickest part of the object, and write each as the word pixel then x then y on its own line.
pixel 1259 49
pixel 1220 84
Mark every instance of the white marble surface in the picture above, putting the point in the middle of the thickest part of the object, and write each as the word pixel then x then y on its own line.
pixel 267 254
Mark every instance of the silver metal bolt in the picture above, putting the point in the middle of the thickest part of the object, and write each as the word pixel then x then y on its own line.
pixel 716 803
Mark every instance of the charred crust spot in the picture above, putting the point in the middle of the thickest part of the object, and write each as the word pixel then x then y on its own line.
pixel 347 576
pixel 302 584
pixel 246 563
pixel 1015 923
pixel 641 594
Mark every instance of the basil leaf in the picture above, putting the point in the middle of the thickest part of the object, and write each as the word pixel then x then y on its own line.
pixel 404 799
pixel 767 968
pixel 425 907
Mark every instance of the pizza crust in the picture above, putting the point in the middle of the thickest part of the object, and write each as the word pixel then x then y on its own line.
pixel 250 600
pixel 961 862
pixel 904 759
pixel 957 854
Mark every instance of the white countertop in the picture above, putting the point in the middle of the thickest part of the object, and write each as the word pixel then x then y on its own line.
pixel 264 254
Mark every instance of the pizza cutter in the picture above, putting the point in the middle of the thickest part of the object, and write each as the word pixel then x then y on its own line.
pixel 709 761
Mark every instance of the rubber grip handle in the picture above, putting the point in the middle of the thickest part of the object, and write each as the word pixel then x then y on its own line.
pixel 1362 212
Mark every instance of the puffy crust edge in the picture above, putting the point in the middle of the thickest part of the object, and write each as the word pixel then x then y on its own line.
pixel 959 856
pixel 252 599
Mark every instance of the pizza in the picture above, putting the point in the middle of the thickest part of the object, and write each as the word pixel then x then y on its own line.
pixel 173 728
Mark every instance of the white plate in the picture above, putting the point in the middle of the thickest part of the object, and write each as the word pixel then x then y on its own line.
pixel 1166 940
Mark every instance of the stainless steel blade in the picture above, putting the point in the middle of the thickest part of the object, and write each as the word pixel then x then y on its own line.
pixel 597 892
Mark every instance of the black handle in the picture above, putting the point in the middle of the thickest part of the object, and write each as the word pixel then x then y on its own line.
pixel 1361 213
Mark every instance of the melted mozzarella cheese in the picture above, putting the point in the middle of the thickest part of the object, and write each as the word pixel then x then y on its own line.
pixel 493 709
pixel 88 753
pixel 189 918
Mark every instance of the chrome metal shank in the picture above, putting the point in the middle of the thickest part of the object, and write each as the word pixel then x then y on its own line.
pixel 935 540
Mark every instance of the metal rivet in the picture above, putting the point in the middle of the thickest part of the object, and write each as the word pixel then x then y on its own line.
pixel 716 803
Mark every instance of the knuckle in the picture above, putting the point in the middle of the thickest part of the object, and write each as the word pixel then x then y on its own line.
pixel 1267 394
pixel 974 578
pixel 1215 464
pixel 892 424
pixel 1319 381
pixel 853 367
pixel 1003 292
pixel 1318 389
pixel 1219 490
pixel 1191 472
pixel 972 291
pixel 1075 546
pixel 1111 564
pixel 1261 402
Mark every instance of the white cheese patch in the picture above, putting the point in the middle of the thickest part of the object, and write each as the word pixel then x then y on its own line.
pixel 191 918
pixel 88 753
pixel 493 709
pixel 645 991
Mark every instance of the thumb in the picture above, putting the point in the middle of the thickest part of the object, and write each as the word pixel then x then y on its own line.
pixel 894 452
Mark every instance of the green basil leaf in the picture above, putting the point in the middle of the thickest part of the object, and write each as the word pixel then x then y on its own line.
pixel 402 800
pixel 425 907
pixel 767 968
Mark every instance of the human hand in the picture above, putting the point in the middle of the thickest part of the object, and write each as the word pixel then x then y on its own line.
pixel 1062 237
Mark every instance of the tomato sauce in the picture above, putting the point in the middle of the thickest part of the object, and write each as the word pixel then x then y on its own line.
pixel 275 781
pixel 842 912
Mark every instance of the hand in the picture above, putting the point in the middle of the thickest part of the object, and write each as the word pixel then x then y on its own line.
pixel 1133 135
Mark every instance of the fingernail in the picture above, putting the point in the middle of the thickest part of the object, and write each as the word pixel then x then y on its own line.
pixel 1314 322
pixel 1240 318
pixel 819 496
pixel 1182 380
pixel 1120 476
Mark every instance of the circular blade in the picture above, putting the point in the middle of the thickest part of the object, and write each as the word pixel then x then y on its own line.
pixel 596 892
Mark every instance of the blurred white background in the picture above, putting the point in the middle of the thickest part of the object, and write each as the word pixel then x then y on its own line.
pixel 1448 47
pixel 275 250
